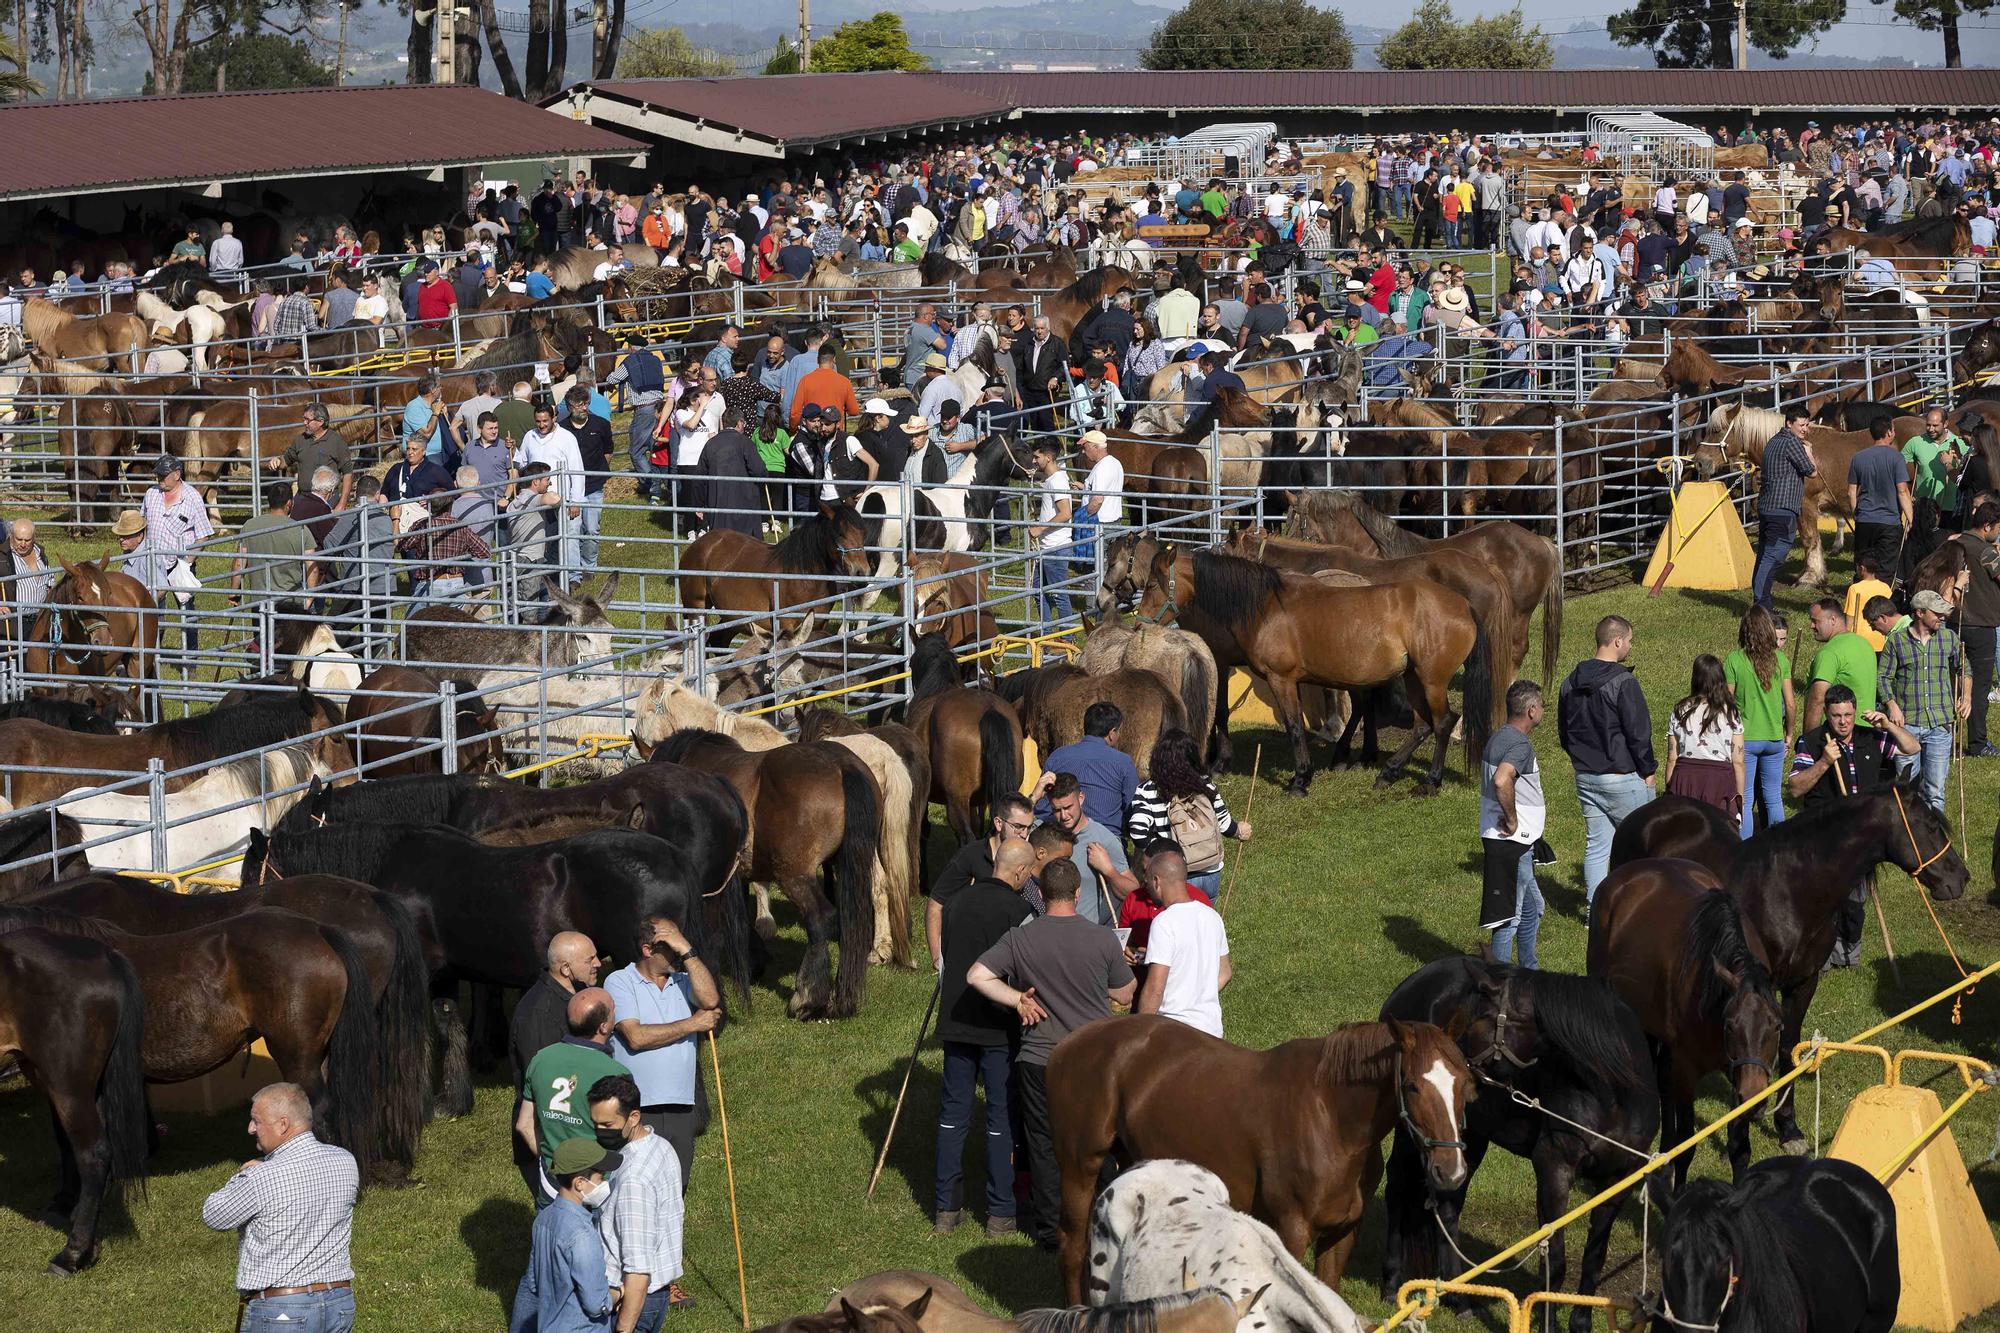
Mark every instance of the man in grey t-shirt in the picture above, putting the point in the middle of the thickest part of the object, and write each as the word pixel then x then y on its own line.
pixel 1512 812
pixel 1058 972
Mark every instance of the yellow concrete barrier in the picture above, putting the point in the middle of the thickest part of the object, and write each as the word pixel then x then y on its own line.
pixel 1704 545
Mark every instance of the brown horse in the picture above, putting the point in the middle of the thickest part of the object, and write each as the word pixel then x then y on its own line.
pixel 1070 306
pixel 1483 587
pixel 27 746
pixel 109 342
pixel 1180 660
pixel 1295 1132
pixel 1288 629
pixel 727 571
pixel 1921 248
pixel 1053 714
pixel 99 622
pixel 972 737
pixel 1531 565
pixel 1162 477
pixel 1670 941
pixel 395 734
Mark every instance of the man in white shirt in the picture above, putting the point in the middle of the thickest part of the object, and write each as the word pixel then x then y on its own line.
pixel 1101 488
pixel 551 444
pixel 1050 532
pixel 1549 234
pixel 225 253
pixel 1187 953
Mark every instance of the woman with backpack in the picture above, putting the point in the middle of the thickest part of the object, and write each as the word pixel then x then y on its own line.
pixel 1180 802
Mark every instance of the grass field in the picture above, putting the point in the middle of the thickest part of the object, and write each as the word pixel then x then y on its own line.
pixel 1343 894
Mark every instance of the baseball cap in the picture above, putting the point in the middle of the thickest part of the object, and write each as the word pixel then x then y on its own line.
pixel 877 407
pixel 810 412
pixel 1931 600
pixel 582 1154
pixel 168 463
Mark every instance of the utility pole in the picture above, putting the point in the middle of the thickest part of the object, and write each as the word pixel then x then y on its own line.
pixel 805 35
pixel 1742 35
pixel 340 57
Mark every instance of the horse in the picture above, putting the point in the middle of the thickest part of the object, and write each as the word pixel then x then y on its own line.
pixel 1790 880
pixel 98 622
pixel 1287 630
pixel 72 1018
pixel 577 630
pixel 379 926
pixel 1055 716
pixel 202 322
pixel 101 343
pixel 1164 1219
pixel 68 714
pixel 1673 945
pixel 908 1301
pixel 1294 1131
pixel 210 990
pixel 1069 307
pixel 316 658
pixel 730 572
pixel 1568 1044
pixel 209 818
pixel 36 849
pixel 973 738
pixel 1179 659
pixel 1530 564
pixel 398 715
pixel 181 744
pixel 1797 1242
pixel 665 706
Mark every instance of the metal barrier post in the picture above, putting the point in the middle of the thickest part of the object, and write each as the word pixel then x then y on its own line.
pixel 1444 483
pixel 256 440
pixel 1562 552
pixel 156 810
pixel 448 723
pixel 267 637
pixel 457 345
pixel 1215 483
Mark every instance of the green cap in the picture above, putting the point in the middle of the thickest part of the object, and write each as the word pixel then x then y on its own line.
pixel 583 1153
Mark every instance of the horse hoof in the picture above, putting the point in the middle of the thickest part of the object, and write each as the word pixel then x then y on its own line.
pixel 766 928
pixel 1383 779
pixel 68 1263
pixel 1797 1147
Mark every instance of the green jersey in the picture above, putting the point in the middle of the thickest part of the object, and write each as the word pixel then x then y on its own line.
pixel 1933 480
pixel 557 1083
pixel 1846 659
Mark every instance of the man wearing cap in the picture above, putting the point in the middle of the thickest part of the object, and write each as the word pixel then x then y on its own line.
pixel 435 298
pixel 177 523
pixel 1100 508
pixel 644 376
pixel 565 1287
pixel 1095 402
pixel 1922 683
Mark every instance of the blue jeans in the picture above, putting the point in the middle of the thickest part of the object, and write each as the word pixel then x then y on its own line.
pixel 313 1312
pixel 1517 937
pixel 965 1066
pixel 1402 199
pixel 1776 532
pixel 654 1312
pixel 1451 234
pixel 588 525
pixel 1209 882
pixel 1606 799
pixel 1765 764
pixel 1051 571
pixel 1933 757
pixel 639 446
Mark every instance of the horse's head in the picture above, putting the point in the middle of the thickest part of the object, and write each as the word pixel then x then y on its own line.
pixel 1698 1267
pixel 85 578
pixel 587 616
pixel 1920 843
pixel 850 538
pixel 1499 1034
pixel 1433 1086
pixel 1753 1028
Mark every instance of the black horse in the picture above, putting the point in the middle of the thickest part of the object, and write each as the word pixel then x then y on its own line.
pixel 36 849
pixel 1796 1243
pixel 378 924
pixel 1568 1043
pixel 486 913
pixel 65 713
pixel 1791 879
pixel 73 1017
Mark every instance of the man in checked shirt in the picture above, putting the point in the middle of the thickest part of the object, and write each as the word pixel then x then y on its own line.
pixel 295 1208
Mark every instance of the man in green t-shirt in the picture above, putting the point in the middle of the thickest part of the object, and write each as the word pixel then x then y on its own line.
pixel 271 559
pixel 555 1105
pixel 1845 658
pixel 906 250
pixel 1934 458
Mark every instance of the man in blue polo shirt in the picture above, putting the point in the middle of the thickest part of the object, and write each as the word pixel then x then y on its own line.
pixel 665 1002
pixel 1107 774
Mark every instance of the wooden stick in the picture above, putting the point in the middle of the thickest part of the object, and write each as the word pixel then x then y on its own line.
pixel 882 1157
pixel 1888 944
pixel 1249 804
pixel 729 1165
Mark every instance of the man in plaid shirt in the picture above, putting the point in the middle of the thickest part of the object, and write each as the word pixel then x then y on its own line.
pixel 1922 683
pixel 1788 461
pixel 640 1225
pixel 443 547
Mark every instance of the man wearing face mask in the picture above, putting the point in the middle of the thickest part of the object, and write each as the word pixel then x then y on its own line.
pixel 564 1286
pixel 553 1110
pixel 641 1226
pixel 541 1018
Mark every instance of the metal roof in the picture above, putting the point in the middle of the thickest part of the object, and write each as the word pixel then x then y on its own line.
pixel 1484 89
pixel 777 112
pixel 63 148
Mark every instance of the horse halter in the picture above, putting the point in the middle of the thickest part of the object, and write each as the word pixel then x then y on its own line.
pixel 1170 607
pixel 1498 1047
pixel 1728 1294
pixel 1423 1140
pixel 1923 862
pixel 96 631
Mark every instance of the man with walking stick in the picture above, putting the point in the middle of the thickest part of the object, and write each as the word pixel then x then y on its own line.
pixel 1057 972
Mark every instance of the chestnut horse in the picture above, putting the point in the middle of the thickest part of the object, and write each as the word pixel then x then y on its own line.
pixel 1289 630
pixel 1295 1132
pixel 973 738
pixel 731 572
pixel 396 732
pixel 101 343
pixel 98 622
pixel 1671 942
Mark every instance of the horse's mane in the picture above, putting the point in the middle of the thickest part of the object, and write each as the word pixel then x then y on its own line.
pixel 1752 427
pixel 935 267
pixel 813 544
pixel 1128 1317
pixel 1715 935
pixel 674 749
pixel 1231 590
pixel 358 849
pixel 254 724
pixel 424 799
pixel 933 666
pixel 248 772
pixel 1580 1017
pixel 14 916
pixel 1710 1227
pixel 1939 232
pixel 23 836
pixel 1414 413
pixel 1357 1053
pixel 1387 534
pixel 1089 285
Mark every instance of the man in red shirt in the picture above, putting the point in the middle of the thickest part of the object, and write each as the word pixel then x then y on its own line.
pixel 435 298
pixel 1382 285
pixel 827 389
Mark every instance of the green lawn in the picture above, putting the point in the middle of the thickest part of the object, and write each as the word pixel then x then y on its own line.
pixel 1343 894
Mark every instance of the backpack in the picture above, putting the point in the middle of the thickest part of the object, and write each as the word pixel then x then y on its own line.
pixel 1192 819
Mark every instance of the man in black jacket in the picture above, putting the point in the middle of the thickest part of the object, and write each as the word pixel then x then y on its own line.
pixel 1040 359
pixel 1978 614
pixel 1607 733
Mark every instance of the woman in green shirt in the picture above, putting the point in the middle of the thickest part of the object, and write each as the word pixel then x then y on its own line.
pixel 772 439
pixel 1760 680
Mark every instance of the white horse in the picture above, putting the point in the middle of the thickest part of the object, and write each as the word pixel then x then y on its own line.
pixel 14 371
pixel 200 827
pixel 195 327
pixel 1164 1219
pixel 328 669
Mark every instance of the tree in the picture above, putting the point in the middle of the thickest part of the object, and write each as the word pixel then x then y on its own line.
pixel 1931 15
pixel 784 58
pixel 1250 34
pixel 256 60
pixel 866 44
pixel 1702 34
pixel 1435 40
pixel 667 53
pixel 17 84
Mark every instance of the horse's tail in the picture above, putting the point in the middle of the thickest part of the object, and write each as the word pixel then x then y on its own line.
pixel 854 887
pixel 999 759
pixel 1552 623
pixel 1478 712
pixel 897 855
pixel 121 1089
pixel 404 1016
pixel 1198 694
pixel 348 1100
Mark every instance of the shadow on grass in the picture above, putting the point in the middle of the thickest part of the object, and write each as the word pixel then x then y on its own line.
pixel 912 1156
pixel 1020 1275
pixel 497 1234
pixel 1415 941
pixel 1923 974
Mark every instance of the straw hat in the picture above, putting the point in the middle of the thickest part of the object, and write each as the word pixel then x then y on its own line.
pixel 130 523
pixel 915 425
pixel 934 361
